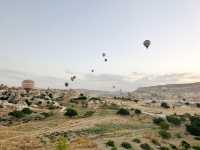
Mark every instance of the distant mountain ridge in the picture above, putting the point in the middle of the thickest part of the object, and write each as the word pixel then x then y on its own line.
pixel 188 91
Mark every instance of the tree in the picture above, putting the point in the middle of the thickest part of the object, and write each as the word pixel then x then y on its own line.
pixel 165 105
pixel 123 112
pixel 110 143
pixel 138 112
pixel 175 120
pixel 126 145
pixel 185 145
pixel 71 112
pixel 16 114
pixel 194 126
pixel 145 146
pixel 27 111
pixel 164 134
pixel 158 120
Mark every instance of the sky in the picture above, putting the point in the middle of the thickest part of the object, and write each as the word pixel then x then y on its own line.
pixel 55 39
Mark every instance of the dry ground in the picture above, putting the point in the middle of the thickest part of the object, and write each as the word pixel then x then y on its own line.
pixel 28 136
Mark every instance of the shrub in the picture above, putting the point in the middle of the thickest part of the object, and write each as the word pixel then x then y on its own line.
pixel 17 114
pixel 194 126
pixel 136 140
pixel 27 111
pixel 81 94
pixel 196 147
pixel 62 144
pixel 110 143
pixel 185 146
pixel 114 148
pixel 164 134
pixel 126 145
pixel 27 102
pixel 158 120
pixel 138 112
pixel 164 125
pixel 71 112
pixel 145 146
pixel 123 111
pixel 173 146
pixel 197 138
pixel 82 97
pixel 94 98
pixel 88 114
pixel 39 102
pixel 186 115
pixel 187 103
pixel 198 105
pixel 45 114
pixel 173 119
pixel 178 135
pixel 164 148
pixel 155 142
pixel 165 105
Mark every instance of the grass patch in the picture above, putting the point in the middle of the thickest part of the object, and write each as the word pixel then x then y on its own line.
pixel 109 127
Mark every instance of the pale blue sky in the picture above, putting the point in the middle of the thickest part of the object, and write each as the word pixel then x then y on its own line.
pixel 51 37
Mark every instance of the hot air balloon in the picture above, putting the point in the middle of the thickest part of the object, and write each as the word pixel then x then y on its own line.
pixel 73 78
pixel 104 54
pixel 28 85
pixel 147 43
pixel 66 84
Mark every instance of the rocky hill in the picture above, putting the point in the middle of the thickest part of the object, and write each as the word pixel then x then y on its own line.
pixel 189 91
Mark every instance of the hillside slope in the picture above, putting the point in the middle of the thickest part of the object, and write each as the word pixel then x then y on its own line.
pixel 187 91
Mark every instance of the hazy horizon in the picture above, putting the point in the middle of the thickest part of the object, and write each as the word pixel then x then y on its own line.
pixel 49 41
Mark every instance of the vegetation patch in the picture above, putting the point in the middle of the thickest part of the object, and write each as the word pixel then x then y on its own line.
pixel 164 134
pixel 62 144
pixel 136 140
pixel 164 125
pixel 196 147
pixel 110 143
pixel 71 112
pixel 138 112
pixel 164 148
pixel 126 145
pixel 105 128
pixel 20 114
pixel 165 105
pixel 158 120
pixel 194 126
pixel 155 142
pixel 173 147
pixel 145 146
pixel 88 113
pixel 185 145
pixel 123 112
pixel 175 120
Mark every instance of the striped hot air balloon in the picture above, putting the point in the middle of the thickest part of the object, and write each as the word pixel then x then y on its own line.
pixel 28 85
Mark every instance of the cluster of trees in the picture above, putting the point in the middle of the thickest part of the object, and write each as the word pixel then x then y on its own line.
pixel 126 112
pixel 21 114
pixel 194 126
